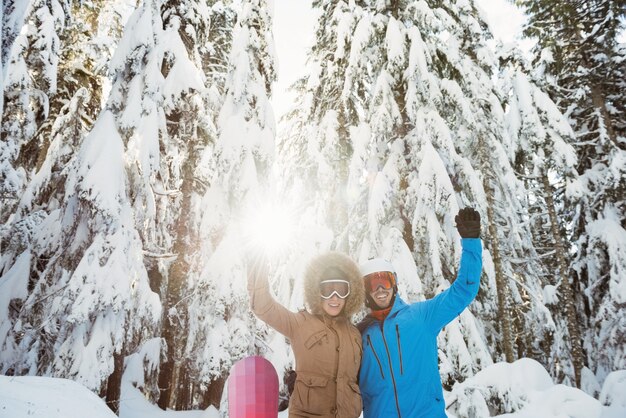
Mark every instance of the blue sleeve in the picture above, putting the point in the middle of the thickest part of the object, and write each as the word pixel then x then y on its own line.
pixel 447 305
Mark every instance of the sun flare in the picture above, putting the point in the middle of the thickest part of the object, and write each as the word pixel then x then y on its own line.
pixel 268 227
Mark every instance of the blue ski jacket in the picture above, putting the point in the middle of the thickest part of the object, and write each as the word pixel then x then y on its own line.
pixel 399 374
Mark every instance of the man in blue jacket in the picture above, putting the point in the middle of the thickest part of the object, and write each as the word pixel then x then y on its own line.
pixel 399 374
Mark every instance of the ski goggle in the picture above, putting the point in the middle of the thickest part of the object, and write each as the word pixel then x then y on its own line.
pixel 384 279
pixel 338 287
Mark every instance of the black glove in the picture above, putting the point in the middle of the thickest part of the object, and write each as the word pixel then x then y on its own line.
pixel 468 223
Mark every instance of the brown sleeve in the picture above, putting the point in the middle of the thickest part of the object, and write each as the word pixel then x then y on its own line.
pixel 263 303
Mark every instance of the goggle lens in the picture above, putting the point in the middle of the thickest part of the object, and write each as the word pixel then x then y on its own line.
pixel 386 279
pixel 338 287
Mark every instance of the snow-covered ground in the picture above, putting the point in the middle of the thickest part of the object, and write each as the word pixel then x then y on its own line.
pixel 524 388
pixel 45 397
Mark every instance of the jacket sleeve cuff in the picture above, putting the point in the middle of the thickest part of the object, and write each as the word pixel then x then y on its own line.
pixel 472 244
pixel 471 259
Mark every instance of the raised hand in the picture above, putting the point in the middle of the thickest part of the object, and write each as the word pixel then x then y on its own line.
pixel 468 223
pixel 258 269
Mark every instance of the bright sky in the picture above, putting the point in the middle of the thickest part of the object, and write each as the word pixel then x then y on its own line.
pixel 294 23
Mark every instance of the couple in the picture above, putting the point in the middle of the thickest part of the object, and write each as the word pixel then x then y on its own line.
pixel 392 361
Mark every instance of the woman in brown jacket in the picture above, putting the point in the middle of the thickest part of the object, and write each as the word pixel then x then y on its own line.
pixel 326 346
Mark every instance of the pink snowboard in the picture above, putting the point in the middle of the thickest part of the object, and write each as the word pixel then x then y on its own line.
pixel 253 389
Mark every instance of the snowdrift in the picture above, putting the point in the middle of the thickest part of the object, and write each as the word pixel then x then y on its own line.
pixel 46 397
pixel 522 389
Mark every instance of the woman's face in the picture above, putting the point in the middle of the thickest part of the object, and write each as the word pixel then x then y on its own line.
pixel 333 306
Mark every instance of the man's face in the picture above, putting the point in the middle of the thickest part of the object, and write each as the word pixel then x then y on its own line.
pixel 382 297
pixel 380 286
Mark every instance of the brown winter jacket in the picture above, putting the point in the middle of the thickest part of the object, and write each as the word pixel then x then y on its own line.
pixel 327 350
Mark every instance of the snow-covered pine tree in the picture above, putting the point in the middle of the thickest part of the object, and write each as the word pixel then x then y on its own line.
pixel 452 154
pixel 6 33
pixel 189 130
pixel 545 161
pixel 415 171
pixel 80 295
pixel 85 51
pixel 240 162
pixel 313 158
pixel 13 15
pixel 2 81
pixel 159 97
pixel 216 50
pixel 471 107
pixel 82 299
pixel 207 28
pixel 1 65
pixel 581 62
pixel 30 53
pixel 87 41
pixel 473 110
pixel 36 334
pixel 315 146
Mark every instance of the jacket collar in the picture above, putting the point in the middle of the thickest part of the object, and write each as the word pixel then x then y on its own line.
pixel 398 306
pixel 332 321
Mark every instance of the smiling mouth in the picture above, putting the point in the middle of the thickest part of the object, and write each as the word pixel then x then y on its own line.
pixel 333 305
pixel 381 297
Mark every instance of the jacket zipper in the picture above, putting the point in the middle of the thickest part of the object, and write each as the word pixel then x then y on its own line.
pixel 393 379
pixel 369 341
pixel 399 349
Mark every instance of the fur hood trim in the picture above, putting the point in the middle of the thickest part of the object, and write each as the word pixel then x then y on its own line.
pixel 314 275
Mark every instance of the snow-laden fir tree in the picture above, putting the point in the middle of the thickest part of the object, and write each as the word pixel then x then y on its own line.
pixel 30 54
pixel 84 50
pixel 224 329
pixel 412 161
pixel 314 151
pixel 5 32
pixel 81 298
pixel 159 96
pixel 315 145
pixel 88 301
pixel 581 63
pixel 1 69
pixel 86 47
pixel 545 161
pixel 437 134
pixel 472 108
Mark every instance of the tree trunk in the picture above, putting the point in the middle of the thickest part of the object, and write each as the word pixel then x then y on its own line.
pixel 166 371
pixel 402 131
pixel 114 383
pixel 213 394
pixel 175 320
pixel 185 388
pixel 337 215
pixel 502 288
pixel 568 294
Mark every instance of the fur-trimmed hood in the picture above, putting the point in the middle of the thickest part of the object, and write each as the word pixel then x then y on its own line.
pixel 323 265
